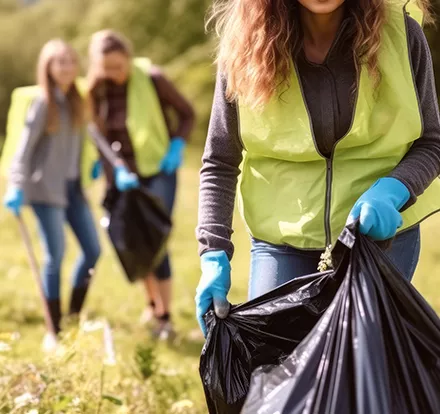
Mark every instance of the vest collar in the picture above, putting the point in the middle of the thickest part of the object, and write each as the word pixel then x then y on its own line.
pixel 338 48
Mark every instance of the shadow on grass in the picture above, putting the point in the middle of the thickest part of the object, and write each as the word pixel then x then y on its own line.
pixel 183 345
pixel 21 317
pixel 188 345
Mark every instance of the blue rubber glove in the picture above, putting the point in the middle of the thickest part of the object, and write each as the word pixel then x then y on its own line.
pixel 174 157
pixel 378 208
pixel 214 286
pixel 13 200
pixel 96 170
pixel 125 180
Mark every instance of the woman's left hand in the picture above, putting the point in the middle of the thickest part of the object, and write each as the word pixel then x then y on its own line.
pixel 378 209
pixel 174 157
pixel 96 171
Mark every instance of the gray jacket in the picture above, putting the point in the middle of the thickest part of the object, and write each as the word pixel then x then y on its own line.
pixel 44 162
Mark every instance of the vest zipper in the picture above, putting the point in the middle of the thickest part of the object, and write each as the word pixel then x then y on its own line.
pixel 328 200
pixel 326 261
pixel 329 174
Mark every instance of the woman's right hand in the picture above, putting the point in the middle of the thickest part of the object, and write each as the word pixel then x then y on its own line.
pixel 214 286
pixel 13 200
pixel 124 179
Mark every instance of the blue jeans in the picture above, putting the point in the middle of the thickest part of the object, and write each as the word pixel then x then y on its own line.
pixel 51 221
pixel 272 266
pixel 164 187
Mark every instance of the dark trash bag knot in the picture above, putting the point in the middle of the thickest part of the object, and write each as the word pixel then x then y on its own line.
pixel 359 339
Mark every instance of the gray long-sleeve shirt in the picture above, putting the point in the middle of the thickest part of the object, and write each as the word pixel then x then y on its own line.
pixel 328 93
pixel 44 162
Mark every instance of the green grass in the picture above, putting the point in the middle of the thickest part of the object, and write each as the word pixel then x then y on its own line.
pixel 148 377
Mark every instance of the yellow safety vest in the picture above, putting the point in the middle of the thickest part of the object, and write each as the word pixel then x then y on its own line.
pixel 290 194
pixel 21 100
pixel 145 121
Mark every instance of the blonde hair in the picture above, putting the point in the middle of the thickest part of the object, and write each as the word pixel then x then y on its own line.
pixel 258 37
pixel 49 51
pixel 102 43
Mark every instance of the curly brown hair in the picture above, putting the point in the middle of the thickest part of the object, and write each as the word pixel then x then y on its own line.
pixel 257 38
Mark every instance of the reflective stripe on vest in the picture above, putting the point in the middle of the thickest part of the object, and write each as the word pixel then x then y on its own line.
pixel 291 194
pixel 145 120
pixel 21 99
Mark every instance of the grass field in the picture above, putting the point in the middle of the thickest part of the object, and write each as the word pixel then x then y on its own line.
pixel 147 377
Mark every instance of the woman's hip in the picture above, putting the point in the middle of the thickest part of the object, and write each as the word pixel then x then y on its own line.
pixel 273 265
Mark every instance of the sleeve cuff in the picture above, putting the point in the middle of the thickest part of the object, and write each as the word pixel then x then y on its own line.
pixel 412 195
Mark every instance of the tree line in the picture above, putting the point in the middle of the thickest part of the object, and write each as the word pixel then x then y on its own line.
pixel 170 32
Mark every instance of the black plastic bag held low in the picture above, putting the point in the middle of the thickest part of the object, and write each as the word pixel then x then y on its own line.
pixel 139 228
pixel 260 332
pixel 370 344
pixel 375 350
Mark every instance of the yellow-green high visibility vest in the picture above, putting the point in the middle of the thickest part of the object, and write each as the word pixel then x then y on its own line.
pixel 145 120
pixel 290 194
pixel 21 100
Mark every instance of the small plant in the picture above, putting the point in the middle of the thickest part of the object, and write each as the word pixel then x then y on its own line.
pixel 146 361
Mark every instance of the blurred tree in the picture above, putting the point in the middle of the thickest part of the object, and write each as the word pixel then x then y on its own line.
pixel 171 32
pixel 433 34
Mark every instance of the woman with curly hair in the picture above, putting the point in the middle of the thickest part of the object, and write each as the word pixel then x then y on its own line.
pixel 328 111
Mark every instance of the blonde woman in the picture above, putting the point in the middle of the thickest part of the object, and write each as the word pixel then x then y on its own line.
pixel 331 111
pixel 131 101
pixel 45 173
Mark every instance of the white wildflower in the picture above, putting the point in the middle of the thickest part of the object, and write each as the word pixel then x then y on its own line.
pixel 76 401
pixel 15 336
pixel 171 372
pixel 25 399
pixel 182 406
pixel 92 326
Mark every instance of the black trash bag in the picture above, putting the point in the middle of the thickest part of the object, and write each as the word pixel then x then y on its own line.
pixel 139 227
pixel 260 332
pixel 375 350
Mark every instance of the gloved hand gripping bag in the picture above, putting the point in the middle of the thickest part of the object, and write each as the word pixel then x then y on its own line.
pixel 375 350
pixel 359 339
pixel 260 332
